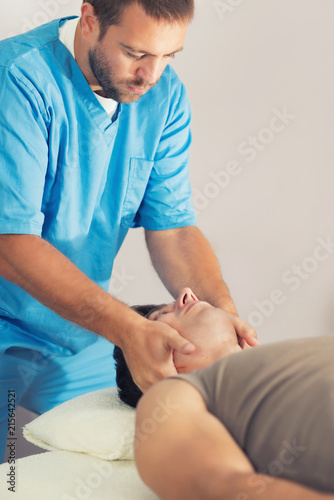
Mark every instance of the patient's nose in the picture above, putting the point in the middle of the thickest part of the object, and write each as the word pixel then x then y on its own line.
pixel 186 296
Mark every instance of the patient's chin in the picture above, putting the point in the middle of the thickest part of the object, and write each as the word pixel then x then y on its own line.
pixel 189 368
pixel 188 363
pixel 184 363
pixel 199 359
pixel 181 367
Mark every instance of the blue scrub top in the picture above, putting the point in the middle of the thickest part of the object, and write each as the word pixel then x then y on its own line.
pixel 70 174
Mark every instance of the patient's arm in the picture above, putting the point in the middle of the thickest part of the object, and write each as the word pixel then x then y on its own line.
pixel 184 453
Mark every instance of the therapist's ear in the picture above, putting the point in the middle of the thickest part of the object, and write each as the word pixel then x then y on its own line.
pixel 89 23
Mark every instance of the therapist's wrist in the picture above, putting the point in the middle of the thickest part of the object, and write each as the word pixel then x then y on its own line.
pixel 128 328
pixel 226 303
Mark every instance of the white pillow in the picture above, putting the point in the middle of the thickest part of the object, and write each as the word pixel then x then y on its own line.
pixel 97 423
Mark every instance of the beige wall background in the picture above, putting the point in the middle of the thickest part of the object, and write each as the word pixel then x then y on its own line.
pixel 260 79
pixel 260 82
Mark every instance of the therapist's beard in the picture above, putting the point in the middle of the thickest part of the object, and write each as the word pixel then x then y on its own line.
pixel 101 71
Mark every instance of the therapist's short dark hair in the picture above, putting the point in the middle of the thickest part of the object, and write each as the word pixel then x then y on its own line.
pixel 109 12
pixel 128 391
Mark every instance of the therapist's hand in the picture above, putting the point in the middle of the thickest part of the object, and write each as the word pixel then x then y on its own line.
pixel 247 336
pixel 149 353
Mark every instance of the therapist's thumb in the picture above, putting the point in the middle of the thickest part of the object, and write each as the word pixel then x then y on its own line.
pixel 178 343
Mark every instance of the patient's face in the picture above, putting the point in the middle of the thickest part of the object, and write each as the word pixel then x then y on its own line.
pixel 207 327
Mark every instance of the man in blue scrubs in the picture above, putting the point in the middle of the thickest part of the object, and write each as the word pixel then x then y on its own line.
pixel 94 131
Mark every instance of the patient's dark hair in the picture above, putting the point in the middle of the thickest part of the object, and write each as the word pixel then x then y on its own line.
pixel 128 391
pixel 109 12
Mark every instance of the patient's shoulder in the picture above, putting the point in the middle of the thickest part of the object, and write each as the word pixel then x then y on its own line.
pixel 170 396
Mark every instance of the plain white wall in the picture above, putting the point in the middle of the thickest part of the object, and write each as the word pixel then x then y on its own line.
pixel 267 208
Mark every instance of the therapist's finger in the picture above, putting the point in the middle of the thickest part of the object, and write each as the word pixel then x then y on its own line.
pixel 251 340
pixel 178 343
pixel 243 344
pixel 245 331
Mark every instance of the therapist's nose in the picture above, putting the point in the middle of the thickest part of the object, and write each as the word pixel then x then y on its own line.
pixel 150 70
pixel 186 296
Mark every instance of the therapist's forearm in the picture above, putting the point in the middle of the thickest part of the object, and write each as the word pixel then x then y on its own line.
pixel 184 258
pixel 51 278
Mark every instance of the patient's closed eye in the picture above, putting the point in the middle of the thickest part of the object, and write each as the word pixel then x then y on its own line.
pixel 158 314
pixel 167 308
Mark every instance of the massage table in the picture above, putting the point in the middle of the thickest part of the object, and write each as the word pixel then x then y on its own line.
pixel 90 454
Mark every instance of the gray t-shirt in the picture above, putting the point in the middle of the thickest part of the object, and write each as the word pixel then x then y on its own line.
pixel 277 401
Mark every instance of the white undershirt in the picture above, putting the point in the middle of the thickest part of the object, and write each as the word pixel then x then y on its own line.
pixel 66 36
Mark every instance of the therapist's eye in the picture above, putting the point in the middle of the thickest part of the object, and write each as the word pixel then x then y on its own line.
pixel 133 56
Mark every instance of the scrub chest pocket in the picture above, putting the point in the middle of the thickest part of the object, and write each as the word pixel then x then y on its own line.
pixel 139 174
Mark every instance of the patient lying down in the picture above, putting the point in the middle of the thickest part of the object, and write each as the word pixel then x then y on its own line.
pixel 256 423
